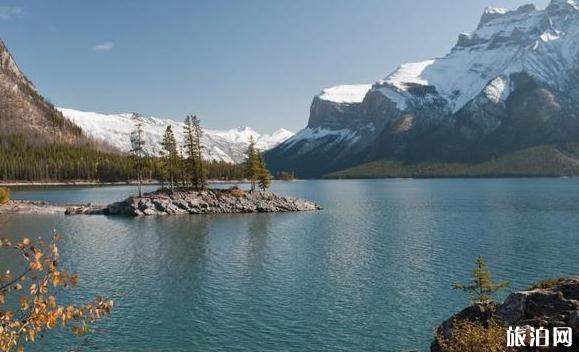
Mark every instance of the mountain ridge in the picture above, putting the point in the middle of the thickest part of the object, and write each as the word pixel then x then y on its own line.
pixel 508 85
pixel 25 112
pixel 115 129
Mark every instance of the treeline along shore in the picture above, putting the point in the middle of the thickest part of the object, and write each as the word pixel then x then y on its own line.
pixel 184 176
pixel 82 183
pixel 21 161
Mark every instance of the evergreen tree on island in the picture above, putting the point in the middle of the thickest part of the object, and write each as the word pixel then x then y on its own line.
pixel 138 152
pixel 202 177
pixel 264 177
pixel 181 167
pixel 193 146
pixel 255 169
pixel 170 155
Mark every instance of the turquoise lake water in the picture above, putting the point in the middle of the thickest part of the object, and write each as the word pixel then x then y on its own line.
pixel 371 272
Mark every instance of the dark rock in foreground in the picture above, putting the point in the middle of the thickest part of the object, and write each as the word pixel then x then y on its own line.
pixel 212 201
pixel 556 306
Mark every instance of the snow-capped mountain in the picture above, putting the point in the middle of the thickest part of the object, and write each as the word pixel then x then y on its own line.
pixel 511 83
pixel 228 146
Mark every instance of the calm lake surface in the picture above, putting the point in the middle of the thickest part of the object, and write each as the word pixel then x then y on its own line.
pixel 371 272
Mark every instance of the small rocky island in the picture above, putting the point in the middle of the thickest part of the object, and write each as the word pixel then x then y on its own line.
pixel 163 202
pixel 210 201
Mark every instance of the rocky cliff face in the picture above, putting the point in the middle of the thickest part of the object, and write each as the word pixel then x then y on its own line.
pixel 23 111
pixel 510 84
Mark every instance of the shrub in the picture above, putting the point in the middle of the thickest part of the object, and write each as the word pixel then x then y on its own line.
pixel 468 336
pixel 236 192
pixel 546 284
pixel 33 282
pixel 4 195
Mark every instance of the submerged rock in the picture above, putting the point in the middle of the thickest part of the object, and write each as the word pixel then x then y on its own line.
pixel 211 201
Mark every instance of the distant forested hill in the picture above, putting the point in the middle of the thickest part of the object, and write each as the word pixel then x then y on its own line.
pixel 542 161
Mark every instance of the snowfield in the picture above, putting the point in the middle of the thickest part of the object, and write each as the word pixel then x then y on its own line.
pixel 543 43
pixel 115 129
pixel 346 94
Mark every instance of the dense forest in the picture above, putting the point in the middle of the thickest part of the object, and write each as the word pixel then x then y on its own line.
pixel 21 160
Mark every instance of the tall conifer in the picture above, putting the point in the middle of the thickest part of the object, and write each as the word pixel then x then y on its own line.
pixel 170 155
pixel 263 176
pixel 138 152
pixel 193 133
pixel 255 169
pixel 252 163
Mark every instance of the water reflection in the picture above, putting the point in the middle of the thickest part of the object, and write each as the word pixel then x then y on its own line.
pixel 372 271
pixel 258 229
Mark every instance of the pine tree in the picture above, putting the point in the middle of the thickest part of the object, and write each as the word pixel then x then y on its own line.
pixel 481 287
pixel 189 138
pixel 264 177
pixel 170 155
pixel 200 172
pixel 252 163
pixel 255 169
pixel 181 167
pixel 138 152
pixel 196 169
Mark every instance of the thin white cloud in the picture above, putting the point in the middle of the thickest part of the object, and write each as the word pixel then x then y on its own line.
pixel 106 46
pixel 9 12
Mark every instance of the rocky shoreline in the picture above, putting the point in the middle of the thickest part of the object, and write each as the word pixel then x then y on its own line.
pixel 42 207
pixel 162 202
pixel 553 305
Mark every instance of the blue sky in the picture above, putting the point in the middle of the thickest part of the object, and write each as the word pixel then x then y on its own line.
pixel 253 62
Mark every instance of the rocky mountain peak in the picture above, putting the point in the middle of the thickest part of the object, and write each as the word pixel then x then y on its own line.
pixel 24 112
pixel 244 129
pixel 9 66
pixel 490 13
pixel 510 83
pixel 563 5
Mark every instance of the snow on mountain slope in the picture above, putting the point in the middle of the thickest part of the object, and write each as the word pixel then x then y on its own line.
pixel 542 43
pixel 347 93
pixel 228 146
pixel 319 134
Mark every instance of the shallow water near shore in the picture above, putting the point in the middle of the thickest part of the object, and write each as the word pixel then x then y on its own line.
pixel 371 272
